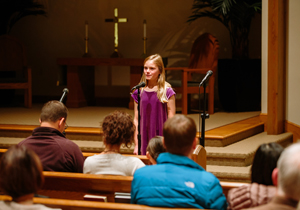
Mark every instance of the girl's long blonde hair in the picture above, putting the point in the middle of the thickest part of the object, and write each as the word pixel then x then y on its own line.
pixel 161 82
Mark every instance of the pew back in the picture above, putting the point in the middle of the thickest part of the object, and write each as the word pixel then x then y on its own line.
pixel 199 156
pixel 75 185
pixel 89 205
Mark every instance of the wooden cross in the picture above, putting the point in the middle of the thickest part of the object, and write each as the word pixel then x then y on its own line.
pixel 116 20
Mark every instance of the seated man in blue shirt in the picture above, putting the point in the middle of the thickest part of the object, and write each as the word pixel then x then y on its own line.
pixel 176 180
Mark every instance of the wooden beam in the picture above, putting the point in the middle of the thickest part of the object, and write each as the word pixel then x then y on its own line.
pixel 276 65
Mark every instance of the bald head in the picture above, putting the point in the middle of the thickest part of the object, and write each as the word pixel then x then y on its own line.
pixel 289 172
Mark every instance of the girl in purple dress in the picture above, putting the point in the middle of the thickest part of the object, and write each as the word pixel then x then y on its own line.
pixel 157 102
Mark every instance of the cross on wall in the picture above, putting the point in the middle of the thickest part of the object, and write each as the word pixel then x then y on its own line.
pixel 116 20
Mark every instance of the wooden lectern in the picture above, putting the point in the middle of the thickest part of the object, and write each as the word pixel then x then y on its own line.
pixel 81 74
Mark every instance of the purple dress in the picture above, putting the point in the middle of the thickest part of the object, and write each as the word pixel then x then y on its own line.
pixel 153 115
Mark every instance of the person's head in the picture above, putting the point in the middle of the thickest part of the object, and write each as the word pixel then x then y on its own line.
pixel 180 135
pixel 154 70
pixel 264 162
pixel 118 128
pixel 287 174
pixel 154 148
pixel 21 172
pixel 54 113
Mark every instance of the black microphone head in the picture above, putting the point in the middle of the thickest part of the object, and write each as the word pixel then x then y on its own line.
pixel 142 84
pixel 66 90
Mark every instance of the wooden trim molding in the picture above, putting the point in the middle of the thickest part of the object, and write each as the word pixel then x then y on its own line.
pixel 293 128
pixel 288 127
pixel 264 118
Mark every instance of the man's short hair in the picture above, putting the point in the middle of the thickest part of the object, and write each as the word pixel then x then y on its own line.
pixel 53 111
pixel 179 133
pixel 289 171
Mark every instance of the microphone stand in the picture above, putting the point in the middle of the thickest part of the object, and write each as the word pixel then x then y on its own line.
pixel 65 92
pixel 203 115
pixel 139 126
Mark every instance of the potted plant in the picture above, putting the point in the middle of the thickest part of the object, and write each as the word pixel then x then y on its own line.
pixel 11 11
pixel 234 78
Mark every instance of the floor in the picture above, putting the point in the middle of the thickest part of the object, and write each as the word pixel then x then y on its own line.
pixel 92 116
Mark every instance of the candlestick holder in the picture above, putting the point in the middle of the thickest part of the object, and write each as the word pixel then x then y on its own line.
pixel 144 55
pixel 86 50
pixel 116 54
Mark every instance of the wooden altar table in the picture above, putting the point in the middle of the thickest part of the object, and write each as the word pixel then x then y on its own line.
pixel 81 74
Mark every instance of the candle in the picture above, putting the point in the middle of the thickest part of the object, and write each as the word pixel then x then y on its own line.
pixel 86 30
pixel 145 28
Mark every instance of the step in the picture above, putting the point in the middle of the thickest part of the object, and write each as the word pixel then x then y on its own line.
pixel 231 173
pixel 85 146
pixel 234 132
pixel 218 137
pixel 74 133
pixel 241 153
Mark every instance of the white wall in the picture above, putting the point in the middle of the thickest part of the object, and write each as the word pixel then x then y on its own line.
pixel 293 61
pixel 264 57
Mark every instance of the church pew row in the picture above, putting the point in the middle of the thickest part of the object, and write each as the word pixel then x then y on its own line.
pixel 89 205
pixel 199 156
pixel 75 185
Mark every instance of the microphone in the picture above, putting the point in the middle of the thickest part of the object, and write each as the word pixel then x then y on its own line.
pixel 142 84
pixel 65 92
pixel 206 78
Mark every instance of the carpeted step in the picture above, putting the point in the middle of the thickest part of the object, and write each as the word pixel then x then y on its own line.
pixel 16 131
pixel 73 133
pixel 230 173
pixel 234 132
pixel 6 142
pixel 94 146
pixel 85 146
pixel 241 153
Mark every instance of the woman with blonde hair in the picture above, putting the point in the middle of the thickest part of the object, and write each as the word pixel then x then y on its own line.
pixel 157 102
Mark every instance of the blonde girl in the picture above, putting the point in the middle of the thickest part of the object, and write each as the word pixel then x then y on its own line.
pixel 157 102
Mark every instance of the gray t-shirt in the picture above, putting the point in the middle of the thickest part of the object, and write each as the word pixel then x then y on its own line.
pixel 113 164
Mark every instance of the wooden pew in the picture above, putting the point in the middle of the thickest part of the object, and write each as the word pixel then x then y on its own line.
pixel 199 156
pixel 75 185
pixel 89 205
pixel 87 154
